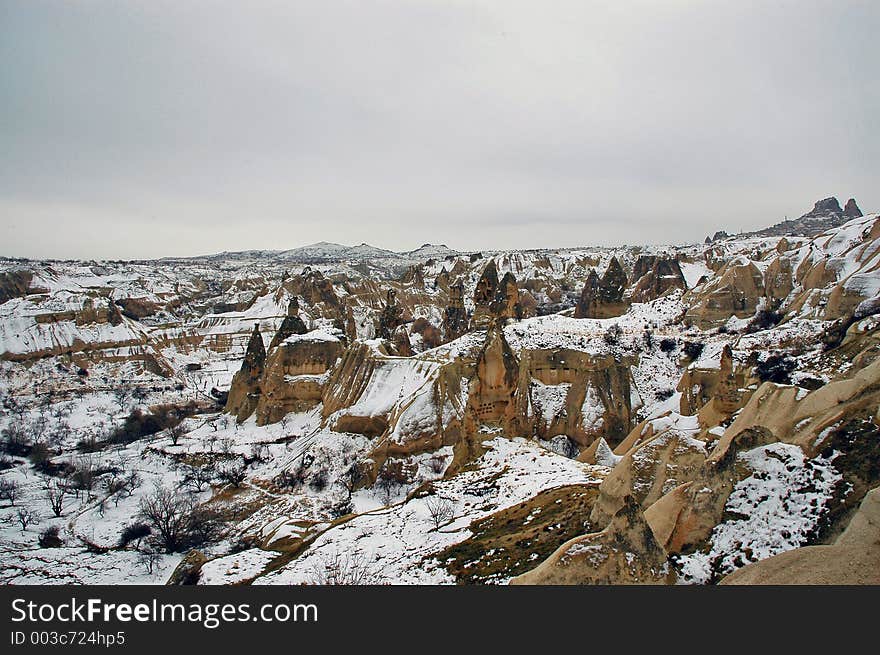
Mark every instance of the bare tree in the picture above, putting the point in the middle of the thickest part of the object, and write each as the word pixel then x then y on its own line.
pixel 168 513
pixel 15 439
pixel 197 478
pixel 59 433
pixel 84 474
pixel 259 452
pixel 26 517
pixel 8 491
pixel 176 432
pixel 56 489
pixel 440 509
pixel 120 397
pixel 122 485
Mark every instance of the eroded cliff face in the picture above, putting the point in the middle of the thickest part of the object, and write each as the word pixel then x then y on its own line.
pixel 473 392
pixel 295 374
pixel 655 276
pixel 583 396
pixel 736 291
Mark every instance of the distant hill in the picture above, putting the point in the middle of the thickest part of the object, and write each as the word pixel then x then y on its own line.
pixel 826 214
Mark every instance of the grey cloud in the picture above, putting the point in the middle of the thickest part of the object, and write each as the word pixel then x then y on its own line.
pixel 159 128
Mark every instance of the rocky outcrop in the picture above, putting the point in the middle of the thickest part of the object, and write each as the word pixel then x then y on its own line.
pixel 86 328
pixel 722 391
pixel 656 276
pixel 823 208
pixel 851 209
pixel 292 324
pixel 414 277
pixel 604 298
pixel 666 454
pixel 400 343
pixel 455 316
pixel 430 334
pixel 736 291
pixel 390 317
pixel 625 552
pixel 294 375
pixel 794 416
pixel 188 570
pixel 683 519
pixel 580 395
pixel 14 284
pixel 492 392
pixel 586 305
pixel 244 394
pixel 825 214
pixel 317 292
pixel 494 299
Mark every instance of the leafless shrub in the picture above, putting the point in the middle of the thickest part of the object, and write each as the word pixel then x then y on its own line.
pixel 122 485
pixel 40 456
pixel 120 397
pixel 393 475
pixel 49 538
pixel 232 472
pixel 336 568
pixel 15 439
pixel 437 464
pixel 148 560
pixel 83 474
pixel 259 452
pixel 440 509
pixel 134 532
pixel 613 334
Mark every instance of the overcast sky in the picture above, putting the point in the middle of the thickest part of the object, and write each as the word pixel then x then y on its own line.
pixel 142 129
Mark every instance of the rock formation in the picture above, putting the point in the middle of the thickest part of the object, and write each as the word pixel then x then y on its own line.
pixel 582 396
pixel 293 376
pixel 14 284
pixel 316 290
pixel 604 298
pixel 656 276
pixel 494 299
pixel 824 208
pixel 735 291
pixel 851 209
pixel 292 324
pixel 244 394
pixel 683 519
pixel 390 317
pixel 455 317
pixel 660 462
pixel 625 552
pixel 493 389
